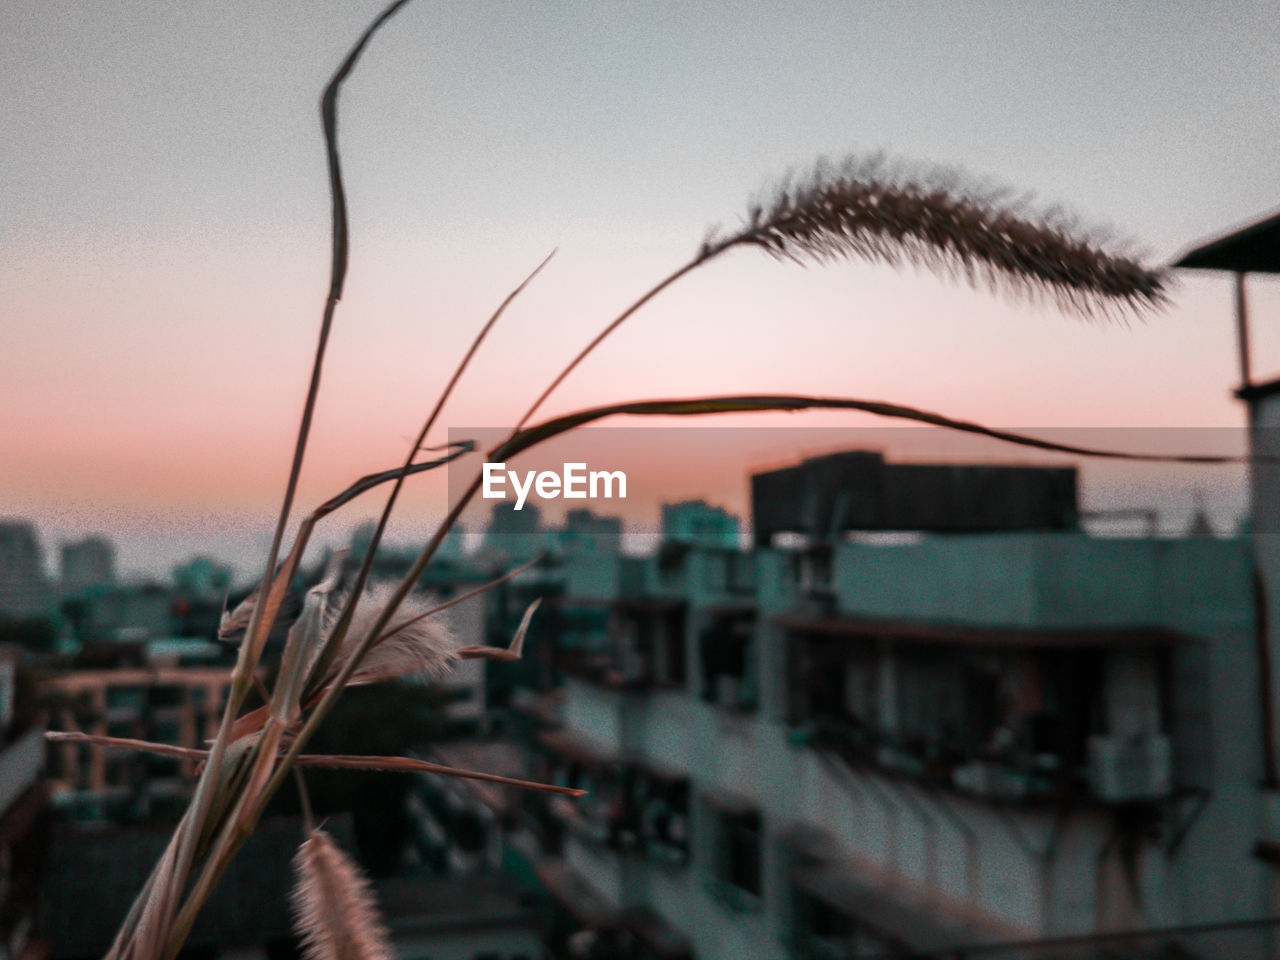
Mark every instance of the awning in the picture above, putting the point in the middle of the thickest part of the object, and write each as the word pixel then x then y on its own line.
pixel 1253 248
pixel 961 634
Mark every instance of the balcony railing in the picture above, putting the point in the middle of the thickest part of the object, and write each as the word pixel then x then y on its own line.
pixel 1015 777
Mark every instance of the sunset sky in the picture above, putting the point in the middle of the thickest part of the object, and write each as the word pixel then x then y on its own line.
pixel 165 229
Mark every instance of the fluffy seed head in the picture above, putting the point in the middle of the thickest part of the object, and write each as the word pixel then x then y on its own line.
pixel 873 211
pixel 335 913
pixel 412 644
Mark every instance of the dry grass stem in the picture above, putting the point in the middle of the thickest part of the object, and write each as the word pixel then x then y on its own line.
pixel 332 761
pixel 792 403
pixel 412 765
pixel 517 642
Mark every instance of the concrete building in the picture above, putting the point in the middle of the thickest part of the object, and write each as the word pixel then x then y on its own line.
pixel 995 737
pixel 851 749
pixel 1255 249
pixel 25 590
pixel 87 565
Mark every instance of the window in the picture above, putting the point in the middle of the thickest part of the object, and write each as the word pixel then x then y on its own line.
pixel 821 931
pixel 742 849
pixel 668 650
pixel 660 807
pixel 736 864
pixel 727 668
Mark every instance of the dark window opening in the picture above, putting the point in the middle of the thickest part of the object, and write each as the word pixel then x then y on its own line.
pixel 740 850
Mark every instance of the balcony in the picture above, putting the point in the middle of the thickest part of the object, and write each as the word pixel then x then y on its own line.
pixel 574 763
pixel 631 806
pixel 640 646
pixel 1011 716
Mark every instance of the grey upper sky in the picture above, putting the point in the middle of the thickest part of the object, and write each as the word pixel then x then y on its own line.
pixel 130 117
pixel 165 218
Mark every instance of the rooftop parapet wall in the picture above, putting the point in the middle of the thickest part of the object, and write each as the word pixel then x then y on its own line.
pixel 1047 581
pixel 858 490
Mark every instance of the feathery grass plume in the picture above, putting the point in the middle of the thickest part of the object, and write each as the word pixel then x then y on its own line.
pixel 417 644
pixel 232 625
pixel 893 214
pixel 335 913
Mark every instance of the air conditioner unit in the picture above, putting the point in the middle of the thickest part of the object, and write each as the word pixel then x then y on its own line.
pixel 1130 769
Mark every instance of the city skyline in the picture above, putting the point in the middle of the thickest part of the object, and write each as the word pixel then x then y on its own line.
pixel 715 465
pixel 164 262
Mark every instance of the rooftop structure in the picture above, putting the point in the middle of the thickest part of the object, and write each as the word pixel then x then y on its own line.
pixel 698 522
pixel 858 490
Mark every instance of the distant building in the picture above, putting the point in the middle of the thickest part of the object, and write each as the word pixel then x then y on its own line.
pixel 25 591
pixel 453 548
pixel 585 531
pixel 87 564
pixel 514 534
pixel 698 523
pixel 129 613
pixel 202 578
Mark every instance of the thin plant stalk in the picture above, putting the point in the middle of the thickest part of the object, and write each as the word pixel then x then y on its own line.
pixel 321 760
pixel 325 660
pixel 264 612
